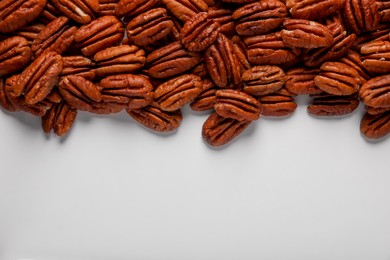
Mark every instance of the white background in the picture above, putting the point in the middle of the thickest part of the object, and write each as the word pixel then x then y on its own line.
pixel 295 188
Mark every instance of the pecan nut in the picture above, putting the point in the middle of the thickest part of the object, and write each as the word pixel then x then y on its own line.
pixel 218 130
pixel 277 105
pixel 49 13
pixel 184 10
pixel 30 32
pixel 78 65
pixel 354 60
pixel 361 15
pixel 206 99
pixel 134 7
pixel 375 56
pixel 332 105
pixel 313 10
pixel 375 126
pixel 14 54
pixel 177 92
pixel 80 11
pixel 376 92
pixel 223 17
pixel 384 10
pixel 262 80
pixel 59 118
pixel 107 7
pixel 300 81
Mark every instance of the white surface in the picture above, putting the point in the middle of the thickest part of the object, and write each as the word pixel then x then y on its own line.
pixel 298 188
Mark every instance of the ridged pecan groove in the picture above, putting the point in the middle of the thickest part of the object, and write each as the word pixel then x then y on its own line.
pixel 276 105
pixel 262 80
pixel 14 54
pixel 376 92
pixel 332 105
pixel 375 126
pixel 80 11
pixel 184 10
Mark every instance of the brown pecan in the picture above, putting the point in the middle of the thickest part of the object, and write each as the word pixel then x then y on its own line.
pixel 277 105
pixel 200 70
pixel 79 92
pixel 156 119
pixel 78 65
pixel 375 126
pixel 259 17
pixel 262 80
pixel 170 60
pixel 342 42
pixel 239 1
pixel 134 7
pixel 241 51
pixel 305 34
pixel 49 13
pixel 59 118
pixel 223 16
pixel 218 130
pixel 300 81
pixel 133 91
pixel 337 78
pixel 184 10
pixel 376 110
pixel 313 10
pixel 14 14
pixel 6 101
pixel 354 60
pixel 81 11
pixel 199 32
pixel 14 54
pixel 381 34
pixel 119 59
pixel 269 49
pixel 105 108
pixel 376 92
pixel 104 32
pixel 149 27
pixel 177 92
pixel 107 7
pixel 361 15
pixel 206 99
pixel 57 36
pixel 332 105
pixel 376 57
pixel 30 32
pixel 384 10
pixel 222 63
pixel 235 104
pixel 39 78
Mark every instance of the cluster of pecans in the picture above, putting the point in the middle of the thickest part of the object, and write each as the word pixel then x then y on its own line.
pixel 238 59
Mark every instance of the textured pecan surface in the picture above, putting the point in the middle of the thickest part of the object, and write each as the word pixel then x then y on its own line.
pixel 14 54
pixel 59 118
pixel 78 65
pixel 313 10
pixel 262 80
pixel 277 105
pixel 332 105
pixel 223 16
pixel 184 10
pixel 206 99
pixel 376 92
pixel 376 55
pixel 361 15
pixel 134 7
pixel 375 126
pixel 81 11
pixel 300 81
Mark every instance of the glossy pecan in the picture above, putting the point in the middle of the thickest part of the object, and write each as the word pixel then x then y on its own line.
pixel 354 60
pixel 384 10
pixel 184 10
pixel 277 105
pixel 30 32
pixel 170 60
pixel 262 80
pixel 235 104
pixel 313 10
pixel 149 27
pixel 119 59
pixel 376 57
pixel 107 7
pixel 200 70
pixel 79 92
pixel 206 99
pixel 241 51
pixel 376 110
pixel 269 49
pixel 223 16
pixel 239 1
pixel 156 119
pixel 305 34
pixel 78 65
pixel 104 32
pixel 218 130
pixel 49 13
pixel 15 14
pixel 59 118
pixel 6 101
pixel 134 7
pixel 177 92
pixel 222 63
pixel 381 34
pixel 105 108
pixel 199 32
pixel 133 91
pixel 361 15
pixel 80 11
pixel 14 54
pixel 338 79
pixel 375 126
pixel 300 81
pixel 376 92
pixel 57 36
pixel 259 17
pixel 332 105
pixel 39 78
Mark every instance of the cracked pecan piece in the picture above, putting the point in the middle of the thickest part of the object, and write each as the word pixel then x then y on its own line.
pixel 206 99
pixel 149 27
pixel 119 60
pixel 300 81
pixel 218 130
pixel 177 92
pixel 235 104
pixel 104 32
pixel 80 11
pixel 134 7
pixel 222 63
pixel 170 60
pixel 130 90
pixel 59 118
pixel 375 56
pixel 15 14
pixel 15 54
pixel 57 36
pixel 277 105
pixel 78 65
pixel 376 92
pixel 262 80
pixel 39 78
pixel 375 126
pixel 331 105
pixel 337 78
pixel 259 17
pixel 199 32
pixel 361 15
pixel 313 10
pixel 184 10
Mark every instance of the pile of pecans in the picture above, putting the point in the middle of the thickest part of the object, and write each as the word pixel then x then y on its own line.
pixel 238 59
